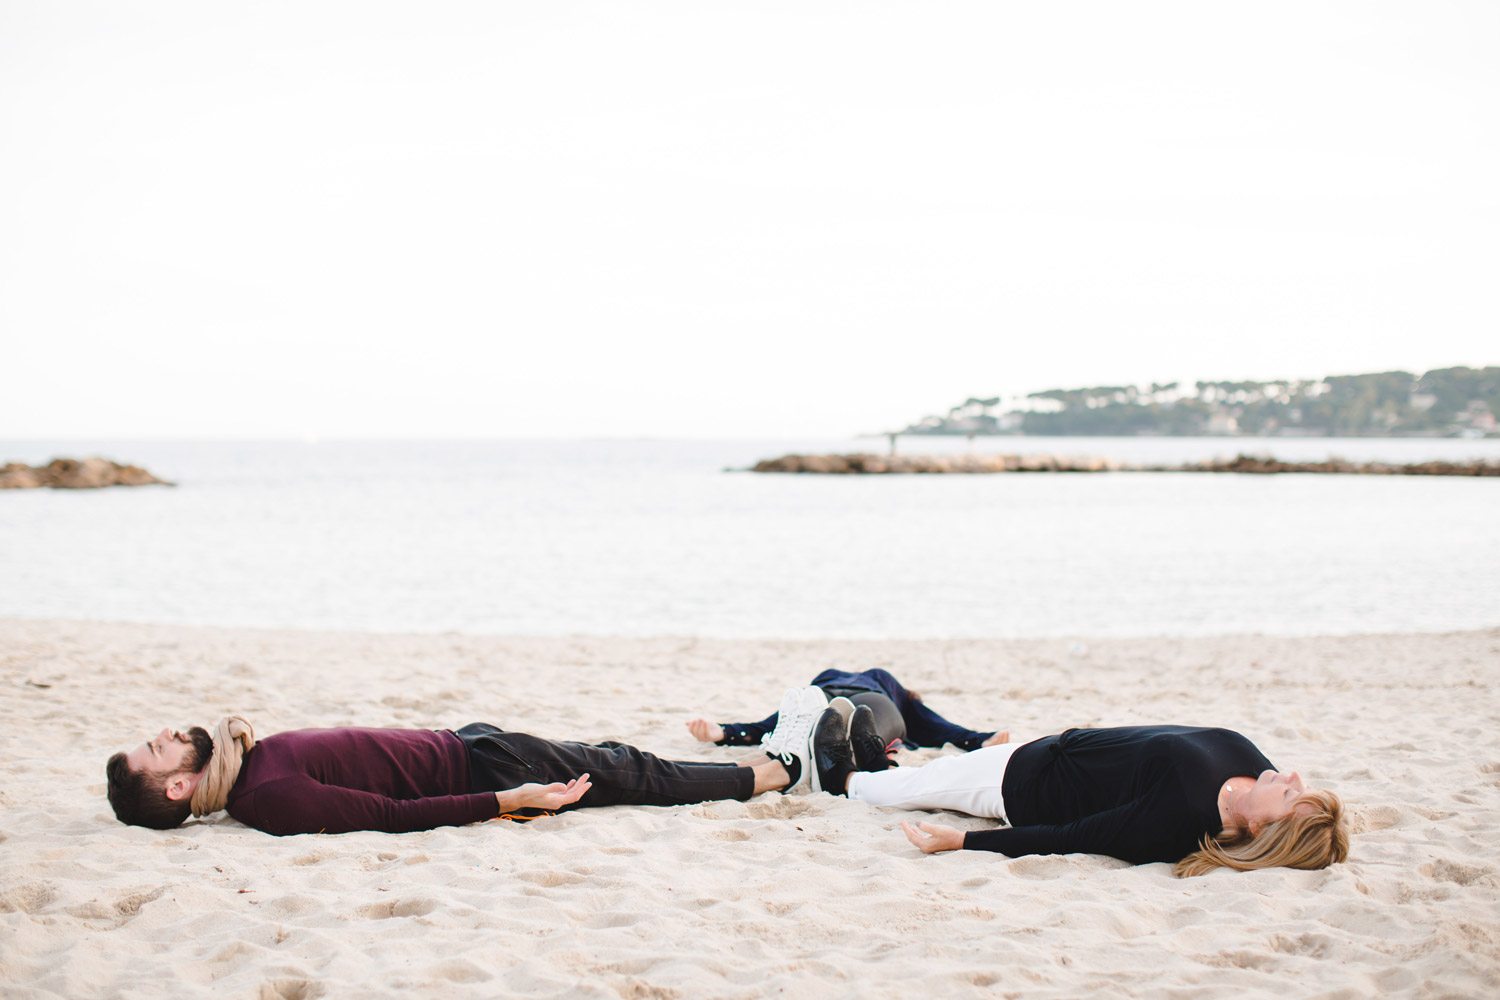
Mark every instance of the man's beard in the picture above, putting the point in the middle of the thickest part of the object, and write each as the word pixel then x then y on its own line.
pixel 202 748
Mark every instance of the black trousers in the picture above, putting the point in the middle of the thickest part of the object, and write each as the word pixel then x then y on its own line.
pixel 619 775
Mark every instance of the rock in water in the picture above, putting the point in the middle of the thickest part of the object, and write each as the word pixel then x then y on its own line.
pixel 72 474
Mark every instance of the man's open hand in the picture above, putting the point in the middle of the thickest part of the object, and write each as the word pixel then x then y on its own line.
pixel 538 796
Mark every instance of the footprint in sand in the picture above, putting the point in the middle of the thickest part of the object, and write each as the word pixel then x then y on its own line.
pixel 1039 867
pixel 27 898
pixel 458 971
pixel 1456 871
pixel 386 909
pixel 290 989
pixel 784 808
pixel 120 911
pixel 1373 818
pixel 549 879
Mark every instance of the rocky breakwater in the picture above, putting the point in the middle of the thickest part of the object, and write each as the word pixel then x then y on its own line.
pixel 75 474
pixel 1335 466
pixel 932 464
pixel 837 465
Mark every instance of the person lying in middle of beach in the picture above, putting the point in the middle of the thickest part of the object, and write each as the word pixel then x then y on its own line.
pixel 1194 797
pixel 398 780
pixel 901 717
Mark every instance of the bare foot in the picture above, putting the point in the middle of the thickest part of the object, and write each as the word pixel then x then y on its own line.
pixel 1001 737
pixel 706 732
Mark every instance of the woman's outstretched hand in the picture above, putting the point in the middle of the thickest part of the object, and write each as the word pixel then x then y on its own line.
pixel 706 732
pixel 931 838
pixel 1003 736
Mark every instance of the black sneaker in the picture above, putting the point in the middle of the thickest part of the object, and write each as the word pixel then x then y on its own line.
pixel 868 747
pixel 829 754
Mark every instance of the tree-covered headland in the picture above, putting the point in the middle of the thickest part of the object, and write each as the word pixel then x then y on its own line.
pixel 1442 402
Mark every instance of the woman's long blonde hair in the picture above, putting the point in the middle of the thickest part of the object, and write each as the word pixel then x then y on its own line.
pixel 1302 840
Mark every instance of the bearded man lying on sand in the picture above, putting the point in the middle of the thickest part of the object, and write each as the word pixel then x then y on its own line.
pixel 398 780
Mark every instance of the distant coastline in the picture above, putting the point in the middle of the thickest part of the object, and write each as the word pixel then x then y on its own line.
pixel 1445 402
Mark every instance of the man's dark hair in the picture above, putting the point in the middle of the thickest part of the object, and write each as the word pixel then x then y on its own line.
pixel 140 798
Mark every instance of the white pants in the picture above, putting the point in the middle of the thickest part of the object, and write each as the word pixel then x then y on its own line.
pixel 966 783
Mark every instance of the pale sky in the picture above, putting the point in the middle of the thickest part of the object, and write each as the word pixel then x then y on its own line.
pixel 703 219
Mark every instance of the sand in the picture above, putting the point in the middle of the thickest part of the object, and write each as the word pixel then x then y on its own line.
pixel 809 896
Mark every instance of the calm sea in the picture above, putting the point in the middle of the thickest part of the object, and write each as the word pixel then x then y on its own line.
pixel 655 538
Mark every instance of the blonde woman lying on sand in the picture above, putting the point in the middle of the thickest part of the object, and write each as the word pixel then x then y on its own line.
pixel 1198 798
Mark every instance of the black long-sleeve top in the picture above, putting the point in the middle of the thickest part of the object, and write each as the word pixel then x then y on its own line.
pixel 1138 793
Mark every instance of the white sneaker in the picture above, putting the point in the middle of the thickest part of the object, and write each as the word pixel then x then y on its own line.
pixel 800 711
pixel 811 701
pixel 775 741
pixel 796 702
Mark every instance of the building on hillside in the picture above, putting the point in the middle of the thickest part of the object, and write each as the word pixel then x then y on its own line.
pixel 1221 423
pixel 1477 416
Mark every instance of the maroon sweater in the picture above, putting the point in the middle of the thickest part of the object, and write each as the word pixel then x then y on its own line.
pixel 338 780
